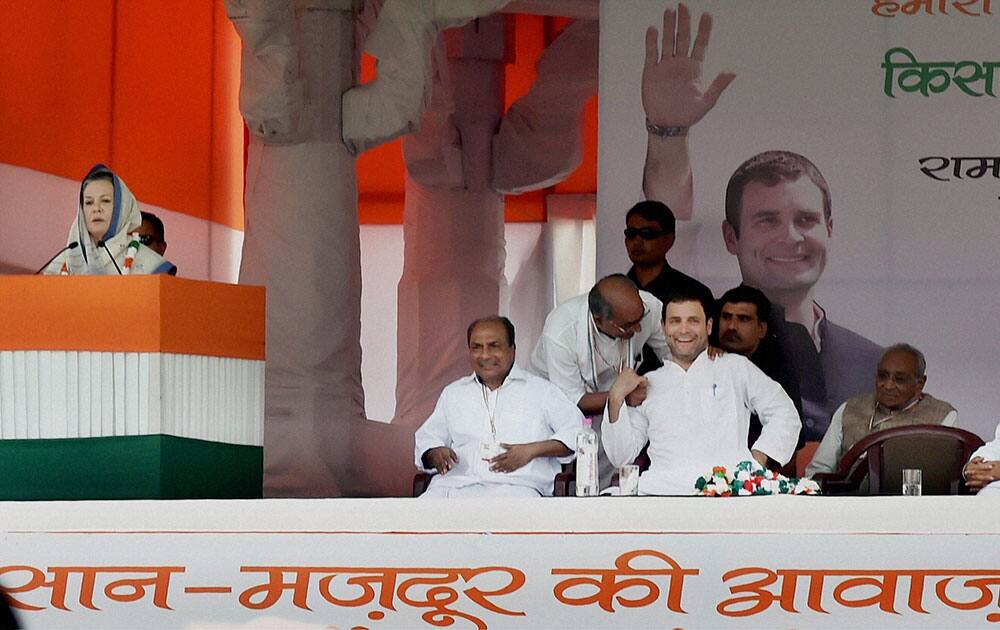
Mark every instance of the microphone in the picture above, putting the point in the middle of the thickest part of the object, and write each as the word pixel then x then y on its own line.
pixel 72 245
pixel 115 262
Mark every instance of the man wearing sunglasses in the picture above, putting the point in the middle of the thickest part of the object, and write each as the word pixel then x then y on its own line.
pixel 151 235
pixel 650 231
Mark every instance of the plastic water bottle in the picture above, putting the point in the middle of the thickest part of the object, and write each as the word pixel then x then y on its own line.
pixel 586 461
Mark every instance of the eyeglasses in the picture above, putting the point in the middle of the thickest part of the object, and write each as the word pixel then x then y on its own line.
pixel 146 239
pixel 646 234
pixel 630 326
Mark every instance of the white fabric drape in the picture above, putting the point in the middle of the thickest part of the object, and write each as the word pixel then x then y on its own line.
pixel 572 241
pixel 301 238
pixel 56 394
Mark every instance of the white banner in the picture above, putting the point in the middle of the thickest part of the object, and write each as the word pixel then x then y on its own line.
pixel 827 562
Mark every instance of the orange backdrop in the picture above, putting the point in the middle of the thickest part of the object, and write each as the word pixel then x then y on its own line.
pixel 150 87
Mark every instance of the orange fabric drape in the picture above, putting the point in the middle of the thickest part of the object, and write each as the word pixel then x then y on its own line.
pixel 148 87
pixel 381 172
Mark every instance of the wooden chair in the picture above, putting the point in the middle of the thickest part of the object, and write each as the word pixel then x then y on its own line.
pixel 420 482
pixel 940 452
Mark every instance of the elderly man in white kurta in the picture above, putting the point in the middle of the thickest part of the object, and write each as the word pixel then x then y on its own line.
pixel 587 340
pixel 696 414
pixel 499 432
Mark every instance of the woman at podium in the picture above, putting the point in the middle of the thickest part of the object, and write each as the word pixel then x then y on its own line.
pixel 101 240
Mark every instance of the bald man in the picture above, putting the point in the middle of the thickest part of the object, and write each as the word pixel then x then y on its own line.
pixel 587 340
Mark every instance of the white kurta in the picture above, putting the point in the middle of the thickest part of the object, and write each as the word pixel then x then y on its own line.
pixel 565 354
pixel 699 418
pixel 991 453
pixel 526 409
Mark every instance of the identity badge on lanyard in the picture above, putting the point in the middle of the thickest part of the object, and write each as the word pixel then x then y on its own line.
pixel 625 358
pixel 489 449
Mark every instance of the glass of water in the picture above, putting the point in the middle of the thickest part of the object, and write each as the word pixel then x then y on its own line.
pixel 628 480
pixel 912 480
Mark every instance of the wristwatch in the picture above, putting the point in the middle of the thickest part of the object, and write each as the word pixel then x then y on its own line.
pixel 666 132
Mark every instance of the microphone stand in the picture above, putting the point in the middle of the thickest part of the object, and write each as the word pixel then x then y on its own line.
pixel 72 245
pixel 104 245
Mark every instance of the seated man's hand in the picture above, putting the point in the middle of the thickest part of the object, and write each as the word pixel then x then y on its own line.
pixel 760 457
pixel 980 473
pixel 516 456
pixel 441 458
pixel 637 395
pixel 626 383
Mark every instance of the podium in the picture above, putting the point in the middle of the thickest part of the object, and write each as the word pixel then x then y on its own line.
pixel 131 387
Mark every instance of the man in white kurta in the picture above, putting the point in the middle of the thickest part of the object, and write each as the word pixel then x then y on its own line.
pixel 696 414
pixel 499 432
pixel 982 473
pixel 587 340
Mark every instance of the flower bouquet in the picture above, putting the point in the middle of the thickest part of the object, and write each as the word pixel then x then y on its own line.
pixel 750 479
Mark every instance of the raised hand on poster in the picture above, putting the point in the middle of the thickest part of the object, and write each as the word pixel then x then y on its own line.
pixel 672 89
pixel 674 99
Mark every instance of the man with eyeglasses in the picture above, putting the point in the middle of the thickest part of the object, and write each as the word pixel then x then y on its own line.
pixel 898 400
pixel 650 231
pixel 589 339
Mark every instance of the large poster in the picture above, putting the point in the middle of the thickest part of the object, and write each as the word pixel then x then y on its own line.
pixel 893 106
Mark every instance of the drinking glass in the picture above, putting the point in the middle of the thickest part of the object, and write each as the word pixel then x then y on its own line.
pixel 912 479
pixel 628 480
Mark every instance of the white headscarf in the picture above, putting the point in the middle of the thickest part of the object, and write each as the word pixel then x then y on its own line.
pixel 88 258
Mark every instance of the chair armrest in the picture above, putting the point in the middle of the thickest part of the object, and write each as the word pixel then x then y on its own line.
pixel 562 484
pixel 420 482
pixel 835 483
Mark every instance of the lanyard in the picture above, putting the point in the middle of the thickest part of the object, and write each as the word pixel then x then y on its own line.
pixel 624 359
pixel 491 412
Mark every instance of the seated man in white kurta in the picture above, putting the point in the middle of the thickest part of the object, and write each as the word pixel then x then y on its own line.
pixel 982 473
pixel 696 414
pixel 500 432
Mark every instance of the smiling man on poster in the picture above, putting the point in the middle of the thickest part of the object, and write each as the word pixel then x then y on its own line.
pixel 778 224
